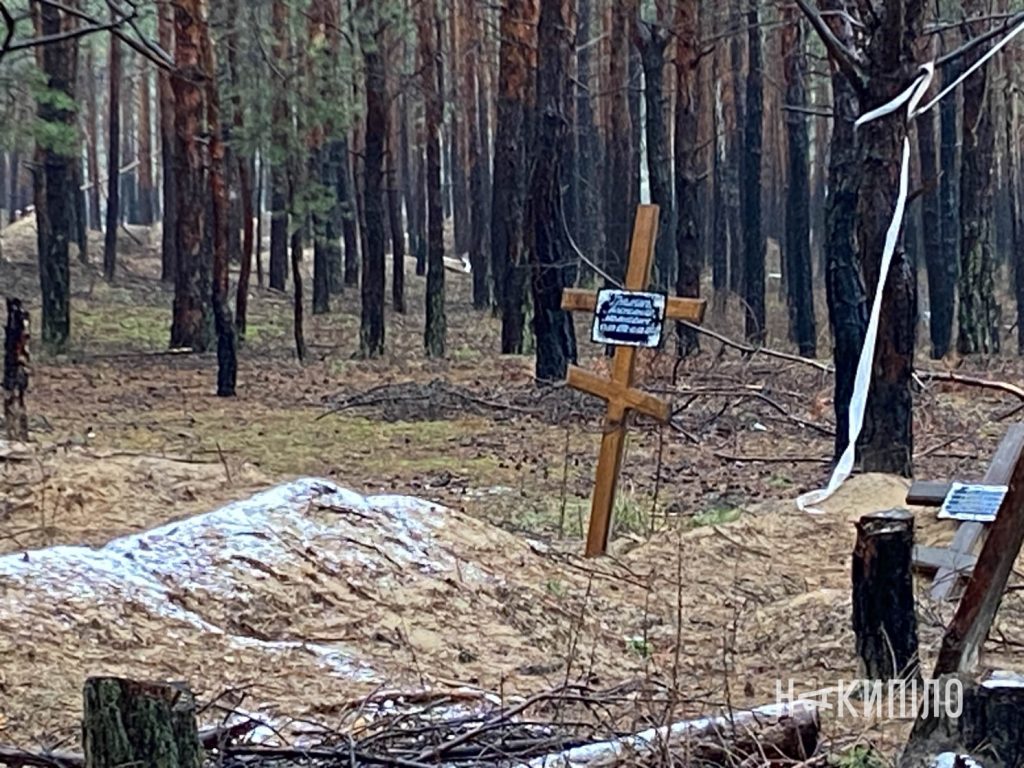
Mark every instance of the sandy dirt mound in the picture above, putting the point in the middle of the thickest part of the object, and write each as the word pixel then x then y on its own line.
pixel 70 495
pixel 309 595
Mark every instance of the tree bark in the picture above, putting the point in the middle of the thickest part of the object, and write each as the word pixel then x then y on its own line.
pixel 113 160
pixel 15 381
pixel 280 150
pixel 549 251
pixel 394 201
pixel 471 39
pixel 978 312
pixel 190 327
pixel 457 132
pixel 435 326
pixel 169 236
pixel 619 195
pixel 371 329
pixel 844 284
pixel 735 110
pixel 508 226
pixel 131 723
pixel 588 149
pixel 53 175
pixel 653 40
pixel 687 232
pixel 750 187
pixel 146 190
pixel 798 265
pixel 884 620
pixel 245 165
pixel 720 175
pixel 91 137
pixel 227 360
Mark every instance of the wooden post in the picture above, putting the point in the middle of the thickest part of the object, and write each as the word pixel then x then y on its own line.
pixel 621 396
pixel 883 596
pixel 989 728
pixel 144 724
pixel 15 381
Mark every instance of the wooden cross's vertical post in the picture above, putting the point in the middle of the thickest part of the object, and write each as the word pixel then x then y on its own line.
pixel 619 392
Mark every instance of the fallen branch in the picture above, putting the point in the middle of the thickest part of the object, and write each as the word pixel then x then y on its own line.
pixel 972 381
pixel 747 349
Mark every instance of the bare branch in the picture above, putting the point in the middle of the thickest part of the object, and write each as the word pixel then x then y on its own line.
pixel 848 60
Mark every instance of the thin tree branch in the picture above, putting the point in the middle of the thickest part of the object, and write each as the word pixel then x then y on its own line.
pixel 845 58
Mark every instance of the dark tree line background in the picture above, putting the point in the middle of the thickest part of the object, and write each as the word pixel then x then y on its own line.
pixel 520 135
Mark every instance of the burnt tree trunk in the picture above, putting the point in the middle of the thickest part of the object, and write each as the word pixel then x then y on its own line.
pixel 457 134
pixel 53 175
pixel 190 326
pixel 653 40
pixel 147 197
pixel 549 251
pixel 298 328
pixel 476 157
pixel 941 285
pixel 435 330
pixel 798 265
pixel 886 442
pixel 227 360
pixel 280 151
pixel 720 175
pixel 844 285
pixel 92 161
pixel 884 620
pixel 750 185
pixel 245 165
pixel 978 311
pixel 169 216
pixel 132 723
pixel 16 359
pixel 688 254
pixel 394 201
pixel 113 161
pixel 588 151
pixel 988 725
pixel 619 197
pixel 371 329
pixel 508 224
pixel 734 147
pixel 942 314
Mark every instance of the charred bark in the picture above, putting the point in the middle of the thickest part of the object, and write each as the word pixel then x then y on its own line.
pixel 978 312
pixel 15 372
pixel 508 226
pixel 750 186
pixel 549 250
pixel 394 202
pixel 941 284
pixel 147 196
pixel 653 40
pixel 434 331
pixel 169 217
pixel 280 151
pixel 349 217
pixel 687 233
pixel 91 138
pixel 798 264
pixel 371 329
pixel 478 257
pixel 53 175
pixel 588 150
pixel 620 183
pixel 113 161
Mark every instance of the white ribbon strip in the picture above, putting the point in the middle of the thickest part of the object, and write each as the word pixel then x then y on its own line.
pixel 862 382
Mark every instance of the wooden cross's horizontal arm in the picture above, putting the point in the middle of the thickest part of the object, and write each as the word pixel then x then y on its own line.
pixel 615 392
pixel 676 308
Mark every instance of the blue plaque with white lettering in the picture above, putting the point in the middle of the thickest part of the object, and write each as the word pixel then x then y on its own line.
pixel 628 318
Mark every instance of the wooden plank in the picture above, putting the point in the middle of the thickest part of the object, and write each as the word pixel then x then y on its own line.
pixel 641 249
pixel 968 535
pixel 928 493
pixel 934 558
pixel 977 609
pixel 676 307
pixel 613 392
pixel 609 464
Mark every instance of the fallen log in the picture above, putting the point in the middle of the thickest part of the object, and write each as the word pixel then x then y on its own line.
pixel 774 734
pixel 981 720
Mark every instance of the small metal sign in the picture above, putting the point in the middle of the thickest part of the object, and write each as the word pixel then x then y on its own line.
pixel 628 318
pixel 972 503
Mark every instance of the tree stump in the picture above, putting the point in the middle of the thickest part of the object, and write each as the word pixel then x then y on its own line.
pixel 884 620
pixel 15 380
pixel 145 724
pixel 989 726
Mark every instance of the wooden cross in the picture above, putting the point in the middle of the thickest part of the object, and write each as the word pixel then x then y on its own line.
pixel 619 392
pixel 954 565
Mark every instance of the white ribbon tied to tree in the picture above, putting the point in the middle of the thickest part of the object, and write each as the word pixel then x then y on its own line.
pixel 912 97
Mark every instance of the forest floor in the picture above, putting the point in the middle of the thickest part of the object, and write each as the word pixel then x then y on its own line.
pixel 130 437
